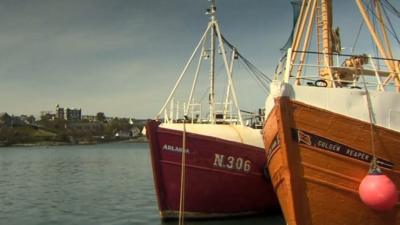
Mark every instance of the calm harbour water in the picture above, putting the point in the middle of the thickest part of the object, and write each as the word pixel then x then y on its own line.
pixel 94 184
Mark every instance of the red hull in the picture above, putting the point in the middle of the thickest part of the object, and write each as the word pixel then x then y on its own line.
pixel 223 178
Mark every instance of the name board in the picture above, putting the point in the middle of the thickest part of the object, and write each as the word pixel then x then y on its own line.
pixel 174 149
pixel 305 138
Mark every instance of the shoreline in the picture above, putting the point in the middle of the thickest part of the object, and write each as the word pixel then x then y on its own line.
pixel 141 139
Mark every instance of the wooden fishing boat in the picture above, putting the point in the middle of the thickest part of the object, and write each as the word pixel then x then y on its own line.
pixel 209 164
pixel 324 132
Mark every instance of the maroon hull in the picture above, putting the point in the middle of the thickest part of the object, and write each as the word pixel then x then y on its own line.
pixel 223 178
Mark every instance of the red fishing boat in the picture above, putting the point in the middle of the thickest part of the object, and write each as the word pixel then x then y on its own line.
pixel 332 130
pixel 209 164
pixel 224 171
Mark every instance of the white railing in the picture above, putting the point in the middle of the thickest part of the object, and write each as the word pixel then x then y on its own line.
pixel 178 111
pixel 345 72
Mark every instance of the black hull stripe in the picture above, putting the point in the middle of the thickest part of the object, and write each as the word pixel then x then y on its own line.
pixel 305 138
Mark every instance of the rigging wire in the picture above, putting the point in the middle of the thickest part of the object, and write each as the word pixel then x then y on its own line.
pixel 247 62
pixel 357 36
pixel 251 66
pixel 390 7
pixel 258 81
pixel 261 79
pixel 257 75
pixel 375 18
pixel 255 70
pixel 391 26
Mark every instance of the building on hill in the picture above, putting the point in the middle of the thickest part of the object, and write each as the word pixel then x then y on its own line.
pixel 5 120
pixel 60 112
pixel 74 114
pixel 71 114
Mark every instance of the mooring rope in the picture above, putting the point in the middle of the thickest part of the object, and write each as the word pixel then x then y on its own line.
pixel 183 172
pixel 373 165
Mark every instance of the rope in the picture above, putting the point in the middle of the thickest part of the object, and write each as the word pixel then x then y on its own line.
pixel 183 172
pixel 374 166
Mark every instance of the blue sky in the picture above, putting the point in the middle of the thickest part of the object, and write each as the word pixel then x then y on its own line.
pixel 122 57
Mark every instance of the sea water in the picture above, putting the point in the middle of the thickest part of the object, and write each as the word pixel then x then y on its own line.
pixel 87 184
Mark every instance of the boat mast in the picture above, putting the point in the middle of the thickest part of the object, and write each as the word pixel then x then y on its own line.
pixel 218 35
pixel 326 19
pixel 212 12
pixel 326 14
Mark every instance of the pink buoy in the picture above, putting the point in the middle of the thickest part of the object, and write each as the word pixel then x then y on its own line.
pixel 378 192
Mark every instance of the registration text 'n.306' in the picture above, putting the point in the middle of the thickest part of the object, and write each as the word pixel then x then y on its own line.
pixel 232 163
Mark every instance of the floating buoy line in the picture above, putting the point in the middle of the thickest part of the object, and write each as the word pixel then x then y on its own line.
pixel 376 190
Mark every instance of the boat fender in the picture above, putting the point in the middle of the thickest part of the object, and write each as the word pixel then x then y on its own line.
pixel 377 191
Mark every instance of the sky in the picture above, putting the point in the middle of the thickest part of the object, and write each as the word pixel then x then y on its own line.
pixel 122 57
